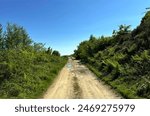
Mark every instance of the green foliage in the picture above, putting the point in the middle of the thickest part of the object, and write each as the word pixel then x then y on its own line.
pixel 55 53
pixel 26 70
pixel 123 29
pixel 132 48
pixel 137 58
pixel 49 51
pixel 144 90
pixel 37 47
pixel 145 55
pixel 121 60
pixel 16 37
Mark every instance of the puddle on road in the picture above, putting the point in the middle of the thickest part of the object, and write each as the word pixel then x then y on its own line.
pixel 69 66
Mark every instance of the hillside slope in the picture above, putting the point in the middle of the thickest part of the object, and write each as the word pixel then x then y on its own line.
pixel 122 60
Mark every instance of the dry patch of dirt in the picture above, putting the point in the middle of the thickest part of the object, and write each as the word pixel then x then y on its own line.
pixel 76 81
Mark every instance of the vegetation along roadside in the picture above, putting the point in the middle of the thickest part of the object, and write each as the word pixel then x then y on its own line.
pixel 26 68
pixel 121 60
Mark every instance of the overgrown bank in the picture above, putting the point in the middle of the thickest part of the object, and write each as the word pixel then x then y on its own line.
pixel 26 68
pixel 122 60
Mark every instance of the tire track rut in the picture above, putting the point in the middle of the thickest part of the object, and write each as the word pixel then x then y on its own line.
pixel 76 81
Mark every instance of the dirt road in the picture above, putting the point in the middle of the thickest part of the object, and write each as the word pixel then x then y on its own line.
pixel 75 81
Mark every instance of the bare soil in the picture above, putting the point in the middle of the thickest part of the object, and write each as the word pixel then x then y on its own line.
pixel 76 81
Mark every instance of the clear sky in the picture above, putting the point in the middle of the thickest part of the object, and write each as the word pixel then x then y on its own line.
pixel 63 24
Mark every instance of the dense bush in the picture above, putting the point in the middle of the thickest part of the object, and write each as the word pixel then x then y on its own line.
pixel 122 60
pixel 26 68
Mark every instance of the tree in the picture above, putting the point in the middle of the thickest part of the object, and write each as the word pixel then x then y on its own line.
pixel 122 34
pixel 38 47
pixel 16 37
pixel 1 37
pixel 123 29
pixel 56 53
pixel 49 51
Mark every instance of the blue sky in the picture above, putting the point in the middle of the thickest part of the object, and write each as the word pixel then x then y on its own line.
pixel 63 24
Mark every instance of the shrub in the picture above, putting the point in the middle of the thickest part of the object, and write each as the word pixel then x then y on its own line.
pixel 143 90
